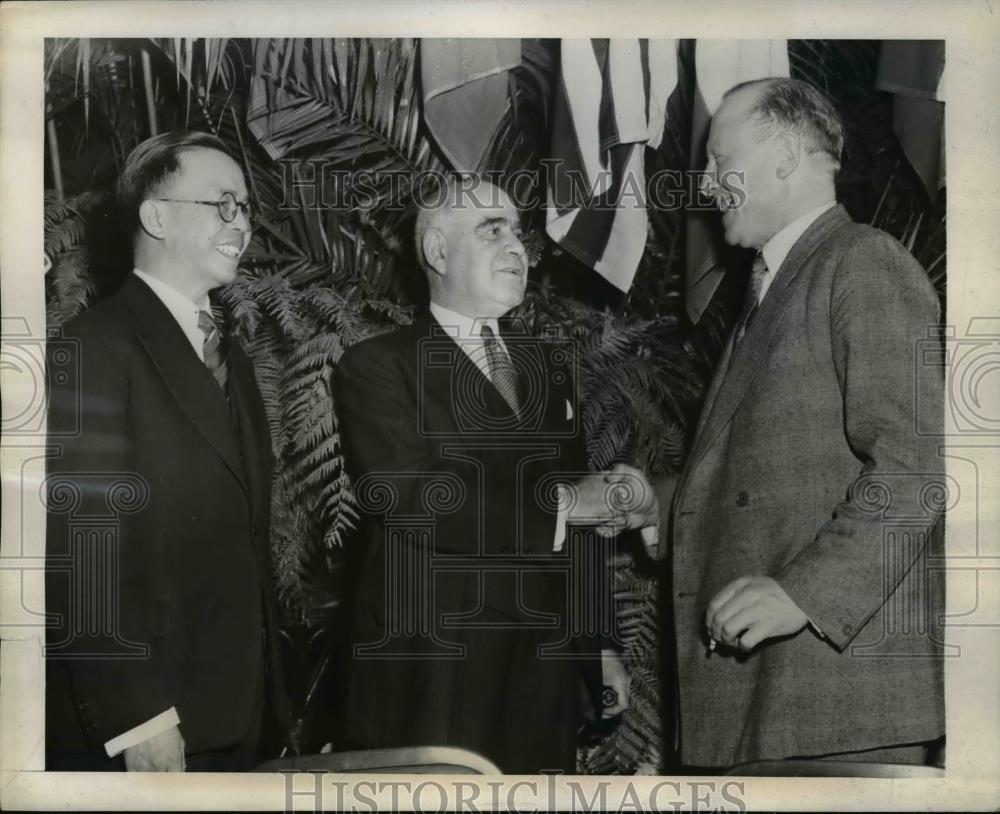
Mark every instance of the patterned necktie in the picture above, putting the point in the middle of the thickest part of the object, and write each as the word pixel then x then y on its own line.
pixel 757 275
pixel 212 349
pixel 502 372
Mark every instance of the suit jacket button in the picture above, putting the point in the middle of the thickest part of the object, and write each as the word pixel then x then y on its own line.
pixel 848 630
pixel 742 499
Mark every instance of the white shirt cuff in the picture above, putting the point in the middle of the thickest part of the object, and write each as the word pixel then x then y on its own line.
pixel 143 732
pixel 650 539
pixel 562 515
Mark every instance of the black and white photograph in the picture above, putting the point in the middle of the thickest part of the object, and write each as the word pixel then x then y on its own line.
pixel 458 419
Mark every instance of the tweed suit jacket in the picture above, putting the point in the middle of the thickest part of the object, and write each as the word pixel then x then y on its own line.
pixel 816 462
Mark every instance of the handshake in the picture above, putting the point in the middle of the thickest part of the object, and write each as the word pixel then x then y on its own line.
pixel 612 501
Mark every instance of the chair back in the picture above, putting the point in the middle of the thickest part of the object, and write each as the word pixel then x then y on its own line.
pixel 405 760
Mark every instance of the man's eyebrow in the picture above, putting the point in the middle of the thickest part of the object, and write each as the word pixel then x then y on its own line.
pixel 498 220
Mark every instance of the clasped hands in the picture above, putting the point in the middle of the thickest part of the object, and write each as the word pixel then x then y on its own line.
pixel 743 614
pixel 612 501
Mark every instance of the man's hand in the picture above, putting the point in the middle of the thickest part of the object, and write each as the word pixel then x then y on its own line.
pixel 751 609
pixel 632 498
pixel 589 502
pixel 615 679
pixel 161 753
pixel 612 501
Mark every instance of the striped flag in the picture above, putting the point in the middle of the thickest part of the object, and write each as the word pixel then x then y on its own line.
pixel 610 104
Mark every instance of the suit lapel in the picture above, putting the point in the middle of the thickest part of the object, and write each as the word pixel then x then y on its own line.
pixel 453 379
pixel 739 364
pixel 187 379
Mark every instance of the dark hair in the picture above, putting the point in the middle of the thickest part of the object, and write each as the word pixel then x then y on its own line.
pixel 150 164
pixel 797 105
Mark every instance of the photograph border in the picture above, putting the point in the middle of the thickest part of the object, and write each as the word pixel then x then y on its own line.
pixel 972 33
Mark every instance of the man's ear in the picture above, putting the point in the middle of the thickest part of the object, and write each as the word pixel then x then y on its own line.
pixel 435 248
pixel 151 220
pixel 789 147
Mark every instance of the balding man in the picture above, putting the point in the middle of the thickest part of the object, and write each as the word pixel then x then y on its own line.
pixel 804 604
pixel 458 433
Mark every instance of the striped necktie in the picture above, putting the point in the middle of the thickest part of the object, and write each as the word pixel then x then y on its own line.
pixel 502 372
pixel 215 361
pixel 757 274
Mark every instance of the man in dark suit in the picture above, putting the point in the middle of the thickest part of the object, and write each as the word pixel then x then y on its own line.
pixel 804 526
pixel 162 646
pixel 458 432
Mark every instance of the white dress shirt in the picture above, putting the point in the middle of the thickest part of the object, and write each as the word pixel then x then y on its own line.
pixel 467 331
pixel 181 308
pixel 777 248
pixel 185 313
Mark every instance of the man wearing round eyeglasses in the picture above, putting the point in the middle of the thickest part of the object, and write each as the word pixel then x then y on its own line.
pixel 182 670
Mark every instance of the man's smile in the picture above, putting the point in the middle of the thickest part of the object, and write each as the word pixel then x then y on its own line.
pixel 231 250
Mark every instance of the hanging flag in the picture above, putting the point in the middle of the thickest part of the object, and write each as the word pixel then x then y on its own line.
pixel 718 65
pixel 913 70
pixel 465 93
pixel 610 104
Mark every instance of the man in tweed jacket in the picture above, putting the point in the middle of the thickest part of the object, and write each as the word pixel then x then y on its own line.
pixel 804 527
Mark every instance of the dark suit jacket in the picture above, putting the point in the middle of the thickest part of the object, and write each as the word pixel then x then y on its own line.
pixel 816 462
pixel 159 500
pixel 433 448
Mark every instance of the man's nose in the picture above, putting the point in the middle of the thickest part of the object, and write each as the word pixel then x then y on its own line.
pixel 242 220
pixel 515 246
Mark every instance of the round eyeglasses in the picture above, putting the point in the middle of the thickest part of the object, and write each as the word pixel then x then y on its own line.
pixel 227 205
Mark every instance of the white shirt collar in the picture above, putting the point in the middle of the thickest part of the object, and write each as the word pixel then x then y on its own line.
pixel 461 327
pixel 777 248
pixel 184 312
pixel 467 332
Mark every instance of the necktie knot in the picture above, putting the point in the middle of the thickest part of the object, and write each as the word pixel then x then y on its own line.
pixel 758 273
pixel 206 324
pixel 212 349
pixel 502 371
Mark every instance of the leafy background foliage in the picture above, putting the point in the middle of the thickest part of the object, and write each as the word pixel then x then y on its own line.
pixel 319 278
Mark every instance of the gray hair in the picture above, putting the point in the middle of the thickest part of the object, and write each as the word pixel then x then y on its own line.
pixel 791 104
pixel 441 194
